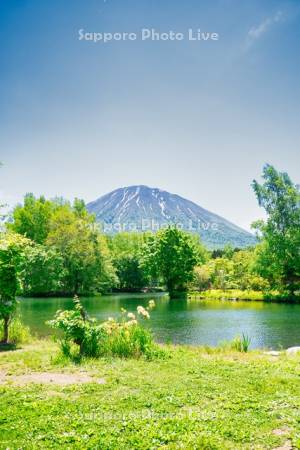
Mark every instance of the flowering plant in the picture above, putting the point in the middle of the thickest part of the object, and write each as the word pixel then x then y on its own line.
pixel 122 338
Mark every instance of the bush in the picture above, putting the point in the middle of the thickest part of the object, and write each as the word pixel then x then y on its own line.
pixel 18 332
pixel 202 278
pixel 82 336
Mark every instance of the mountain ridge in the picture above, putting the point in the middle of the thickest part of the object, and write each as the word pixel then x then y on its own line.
pixel 142 208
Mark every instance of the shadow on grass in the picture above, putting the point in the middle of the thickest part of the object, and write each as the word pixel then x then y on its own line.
pixel 7 347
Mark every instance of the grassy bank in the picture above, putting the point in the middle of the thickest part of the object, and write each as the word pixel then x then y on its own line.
pixel 195 398
pixel 248 295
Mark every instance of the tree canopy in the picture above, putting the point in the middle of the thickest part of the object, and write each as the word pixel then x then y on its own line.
pixel 278 255
pixel 69 255
pixel 11 252
pixel 172 255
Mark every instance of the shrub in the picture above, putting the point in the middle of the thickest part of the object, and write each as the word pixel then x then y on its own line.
pixel 82 336
pixel 128 341
pixel 77 329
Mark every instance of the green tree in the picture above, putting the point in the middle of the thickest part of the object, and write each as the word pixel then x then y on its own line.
pixel 70 256
pixel 79 207
pixel 234 270
pixel 278 255
pixel 43 271
pixel 126 249
pixel 86 258
pixel 202 278
pixel 172 255
pixel 222 275
pixel 130 274
pixel 11 254
pixel 33 218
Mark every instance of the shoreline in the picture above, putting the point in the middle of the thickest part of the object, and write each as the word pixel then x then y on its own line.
pixel 210 294
pixel 233 295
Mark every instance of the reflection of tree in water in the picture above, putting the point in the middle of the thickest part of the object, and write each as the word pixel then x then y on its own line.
pixel 178 304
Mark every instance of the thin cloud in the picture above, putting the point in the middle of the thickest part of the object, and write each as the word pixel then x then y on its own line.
pixel 258 31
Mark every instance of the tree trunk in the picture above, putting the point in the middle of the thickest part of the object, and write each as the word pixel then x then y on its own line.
pixel 170 288
pixel 5 330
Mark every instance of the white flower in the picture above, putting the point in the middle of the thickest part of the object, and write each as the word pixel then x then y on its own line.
pixel 143 312
pixel 131 323
pixel 131 316
pixel 146 315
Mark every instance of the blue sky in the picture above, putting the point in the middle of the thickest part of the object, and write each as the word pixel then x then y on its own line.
pixel 195 118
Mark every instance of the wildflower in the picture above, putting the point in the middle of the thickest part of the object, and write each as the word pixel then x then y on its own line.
pixel 131 316
pixel 146 315
pixel 143 312
pixel 123 311
pixel 131 323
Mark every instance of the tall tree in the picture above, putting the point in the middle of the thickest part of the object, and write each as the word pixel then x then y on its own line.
pixel 11 254
pixel 33 218
pixel 86 258
pixel 278 255
pixel 172 255
pixel 42 271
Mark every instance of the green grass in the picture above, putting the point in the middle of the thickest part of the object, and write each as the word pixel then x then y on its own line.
pixel 237 294
pixel 197 398
pixel 18 332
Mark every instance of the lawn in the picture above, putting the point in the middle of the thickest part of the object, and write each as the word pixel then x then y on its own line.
pixel 194 398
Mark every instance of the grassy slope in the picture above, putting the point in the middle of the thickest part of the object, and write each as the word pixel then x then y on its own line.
pixel 198 399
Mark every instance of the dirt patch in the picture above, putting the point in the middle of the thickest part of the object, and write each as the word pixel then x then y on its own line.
pixel 62 379
pixel 286 446
pixel 281 431
pixel 2 377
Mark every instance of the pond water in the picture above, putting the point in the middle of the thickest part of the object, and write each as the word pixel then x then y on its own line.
pixel 270 325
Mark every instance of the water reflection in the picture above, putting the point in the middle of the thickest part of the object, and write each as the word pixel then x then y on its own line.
pixel 184 321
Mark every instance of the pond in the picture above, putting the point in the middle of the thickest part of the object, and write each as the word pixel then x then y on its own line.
pixel 270 325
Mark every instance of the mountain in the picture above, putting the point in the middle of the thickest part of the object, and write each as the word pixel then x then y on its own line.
pixel 141 208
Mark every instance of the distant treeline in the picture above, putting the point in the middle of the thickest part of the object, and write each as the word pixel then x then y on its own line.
pixel 62 252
